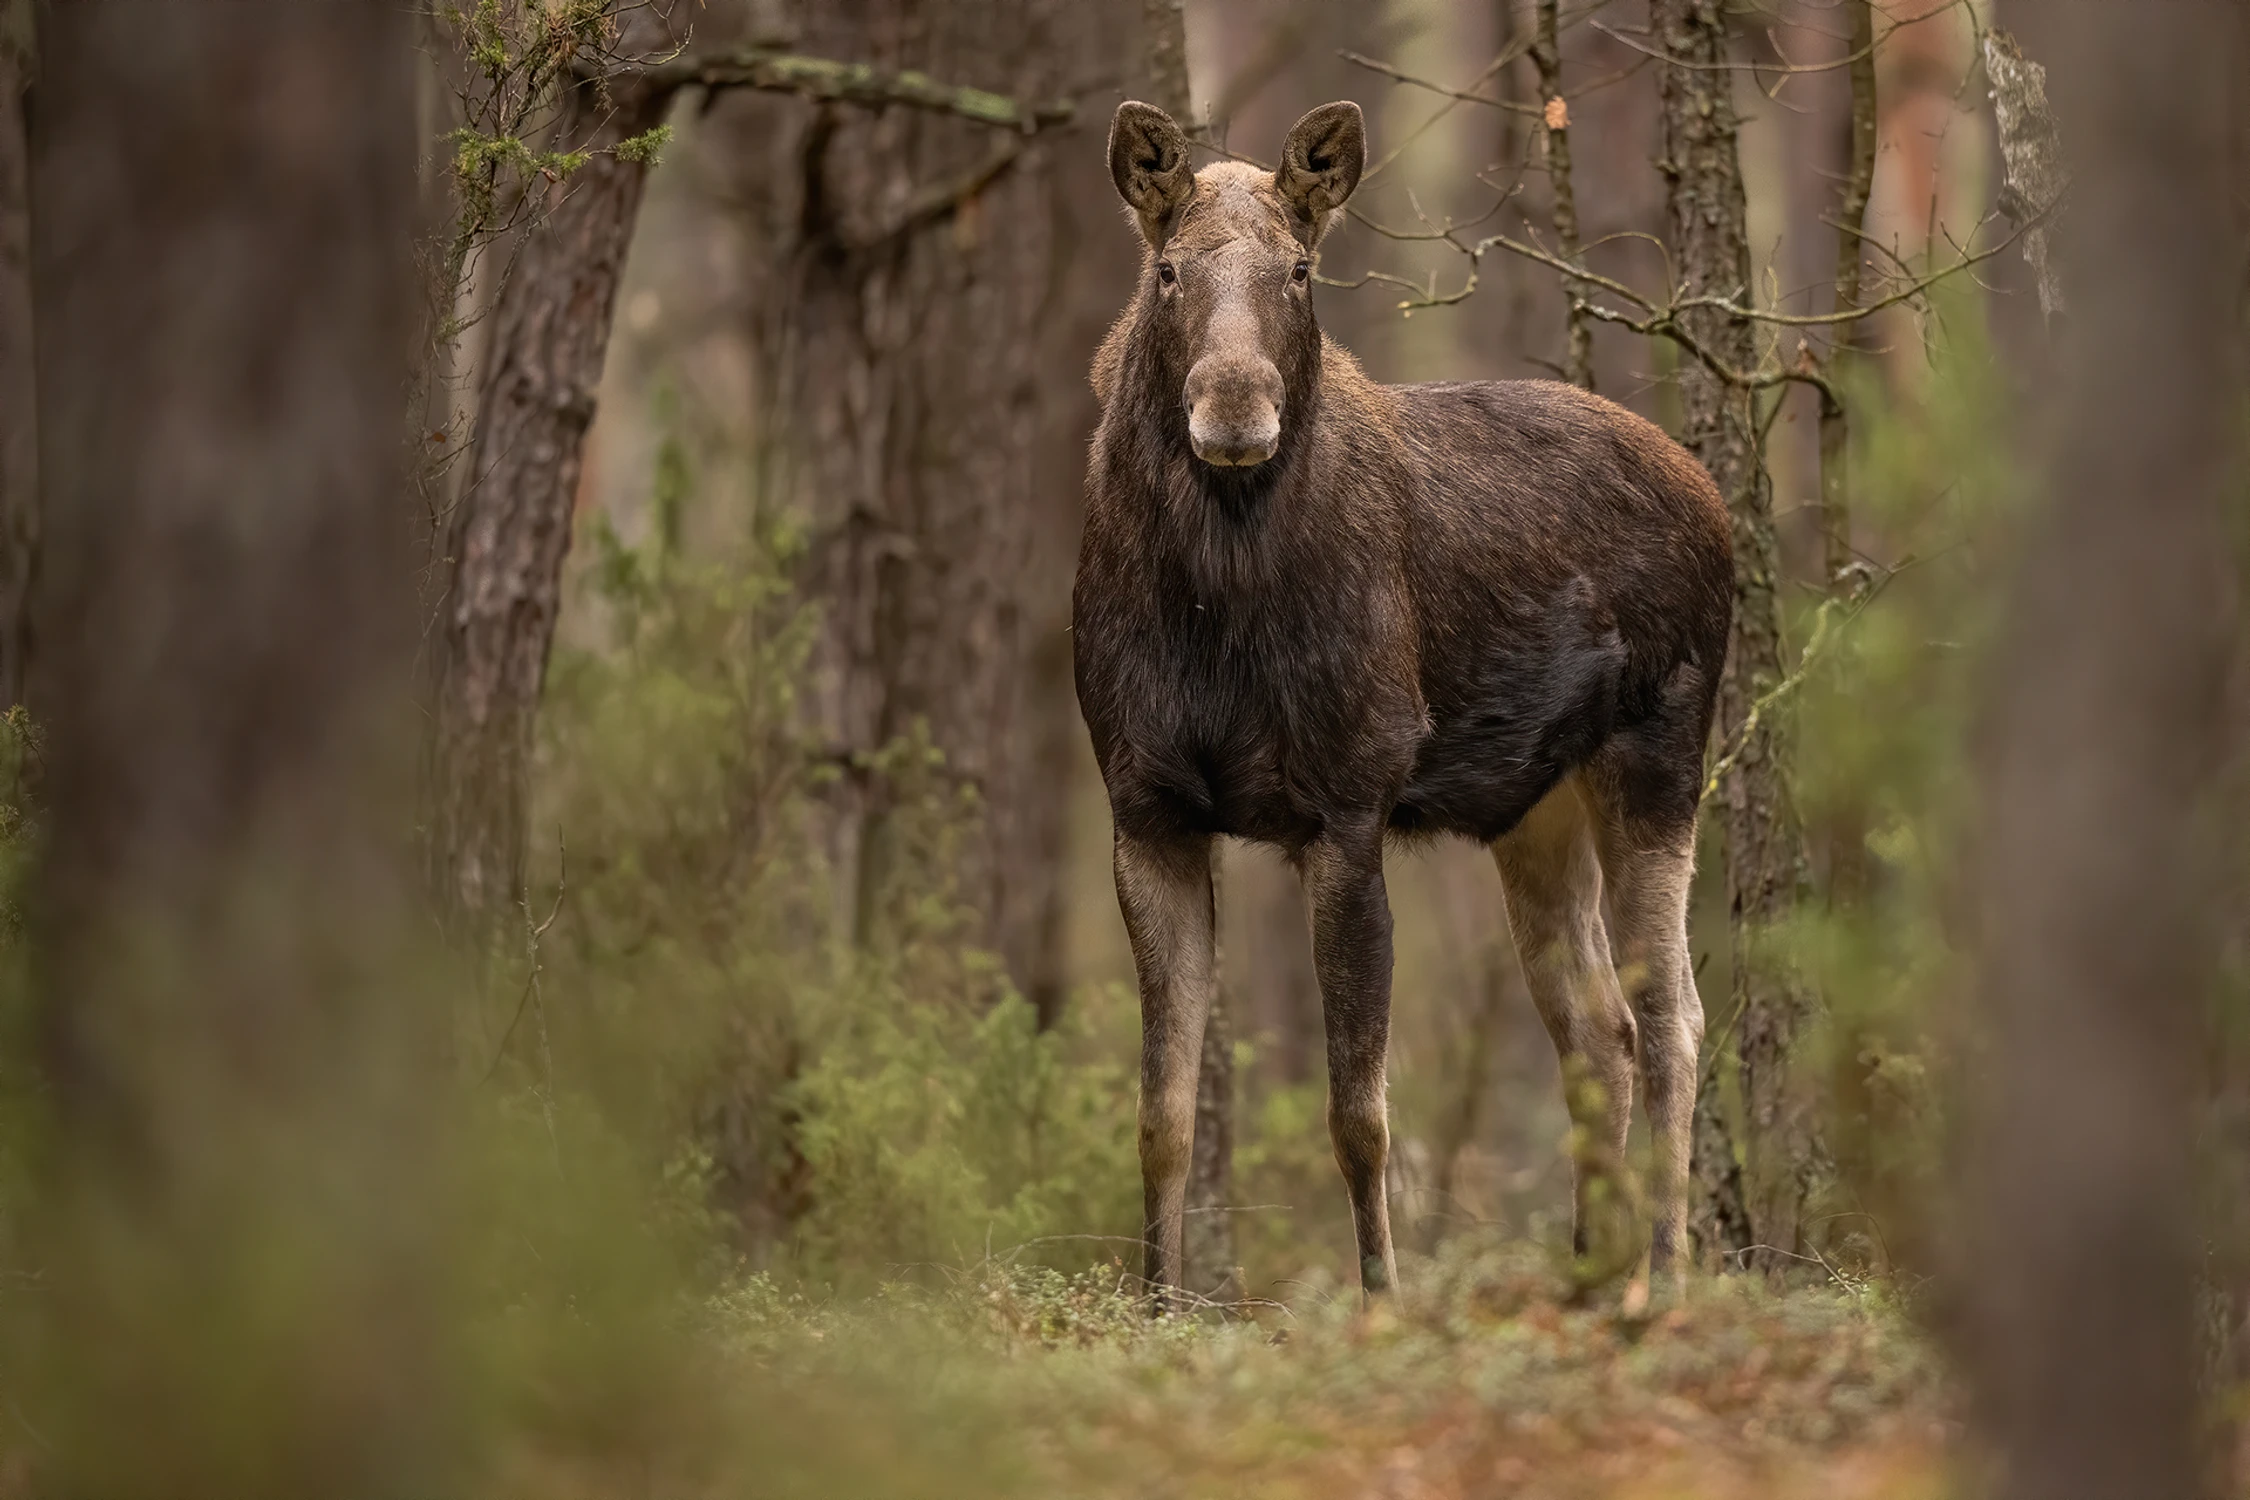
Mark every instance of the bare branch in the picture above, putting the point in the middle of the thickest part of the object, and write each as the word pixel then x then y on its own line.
pixel 855 83
pixel 1784 69
pixel 1400 75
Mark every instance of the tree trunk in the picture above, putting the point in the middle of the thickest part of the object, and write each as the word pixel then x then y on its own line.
pixel 1843 838
pixel 19 472
pixel 1277 992
pixel 1095 268
pixel 906 282
pixel 1710 247
pixel 230 1028
pixel 511 525
pixel 1490 1003
pixel 1207 1245
pixel 1546 56
pixel 1851 256
pixel 2031 153
pixel 2106 710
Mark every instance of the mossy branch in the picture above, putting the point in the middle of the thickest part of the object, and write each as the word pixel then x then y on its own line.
pixel 1833 613
pixel 856 83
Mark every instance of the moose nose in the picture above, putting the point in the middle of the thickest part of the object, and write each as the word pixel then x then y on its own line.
pixel 1234 411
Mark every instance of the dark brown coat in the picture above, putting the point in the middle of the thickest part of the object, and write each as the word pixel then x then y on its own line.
pixel 1411 609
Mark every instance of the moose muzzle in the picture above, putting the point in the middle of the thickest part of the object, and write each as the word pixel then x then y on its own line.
pixel 1234 410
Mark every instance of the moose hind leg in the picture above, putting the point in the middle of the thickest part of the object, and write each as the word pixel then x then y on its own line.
pixel 1164 890
pixel 1553 879
pixel 1648 867
pixel 1351 930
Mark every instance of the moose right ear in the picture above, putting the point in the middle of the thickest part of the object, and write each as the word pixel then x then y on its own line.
pixel 1320 165
pixel 1148 160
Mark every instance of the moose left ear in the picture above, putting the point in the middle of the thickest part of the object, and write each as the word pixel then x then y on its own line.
pixel 1148 160
pixel 1320 165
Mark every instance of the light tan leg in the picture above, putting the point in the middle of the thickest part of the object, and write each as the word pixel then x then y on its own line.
pixel 1164 890
pixel 1553 878
pixel 1648 874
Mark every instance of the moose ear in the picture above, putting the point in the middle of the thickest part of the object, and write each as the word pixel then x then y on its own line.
pixel 1148 160
pixel 1320 165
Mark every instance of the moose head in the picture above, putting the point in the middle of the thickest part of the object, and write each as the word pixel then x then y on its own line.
pixel 1229 269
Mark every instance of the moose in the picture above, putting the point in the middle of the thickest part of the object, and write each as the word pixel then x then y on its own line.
pixel 1320 613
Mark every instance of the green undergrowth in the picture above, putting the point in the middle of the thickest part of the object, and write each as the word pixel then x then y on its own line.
pixel 1483 1369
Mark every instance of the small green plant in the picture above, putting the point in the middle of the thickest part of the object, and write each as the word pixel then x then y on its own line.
pixel 853 1106
pixel 519 56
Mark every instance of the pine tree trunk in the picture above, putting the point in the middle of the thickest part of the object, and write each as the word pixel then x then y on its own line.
pixel 511 524
pixel 1851 256
pixel 905 279
pixel 1710 247
pixel 1843 839
pixel 1546 56
pixel 232 1033
pixel 2099 966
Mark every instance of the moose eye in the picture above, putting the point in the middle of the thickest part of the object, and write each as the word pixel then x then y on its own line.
pixel 1165 273
pixel 1300 271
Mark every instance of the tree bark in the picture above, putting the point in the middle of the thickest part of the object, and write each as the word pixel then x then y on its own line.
pixel 1546 56
pixel 1843 839
pixel 907 283
pixel 19 469
pixel 1710 247
pixel 2105 725
pixel 1490 1003
pixel 1166 23
pixel 1851 257
pixel 511 525
pixel 230 1030
pixel 1207 1245
pixel 2031 152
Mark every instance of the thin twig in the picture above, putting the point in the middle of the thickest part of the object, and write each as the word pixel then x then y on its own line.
pixel 1785 69
pixel 531 976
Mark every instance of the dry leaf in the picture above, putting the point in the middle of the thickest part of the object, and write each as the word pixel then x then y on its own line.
pixel 1558 114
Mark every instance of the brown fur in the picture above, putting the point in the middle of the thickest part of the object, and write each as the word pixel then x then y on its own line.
pixel 1424 611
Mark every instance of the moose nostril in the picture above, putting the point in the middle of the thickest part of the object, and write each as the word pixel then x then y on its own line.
pixel 1235 438
pixel 1233 406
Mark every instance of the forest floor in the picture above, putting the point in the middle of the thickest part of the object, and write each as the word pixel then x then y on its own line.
pixel 1486 1381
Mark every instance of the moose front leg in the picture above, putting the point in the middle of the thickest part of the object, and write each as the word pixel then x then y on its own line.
pixel 1164 888
pixel 1351 929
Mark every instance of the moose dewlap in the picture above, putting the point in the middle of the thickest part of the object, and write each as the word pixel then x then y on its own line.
pixel 1315 611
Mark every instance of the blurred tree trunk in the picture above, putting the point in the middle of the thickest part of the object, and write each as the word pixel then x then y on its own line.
pixel 1207 1245
pixel 1094 267
pixel 1278 991
pixel 19 473
pixel 222 210
pixel 2105 713
pixel 511 524
pixel 1842 836
pixel 1490 1002
pixel 1710 246
pixel 1851 256
pixel 907 286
